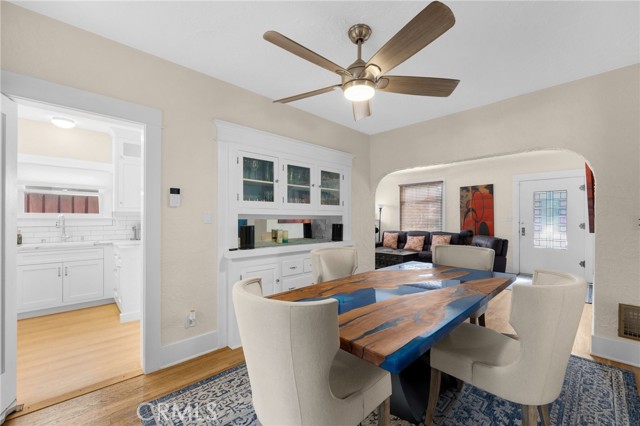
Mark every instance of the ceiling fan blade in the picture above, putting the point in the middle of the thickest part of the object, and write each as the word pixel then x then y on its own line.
pixel 301 51
pixel 361 110
pixel 425 27
pixel 422 86
pixel 307 94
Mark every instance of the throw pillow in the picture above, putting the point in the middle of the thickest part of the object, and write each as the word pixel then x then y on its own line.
pixel 440 240
pixel 414 243
pixel 390 240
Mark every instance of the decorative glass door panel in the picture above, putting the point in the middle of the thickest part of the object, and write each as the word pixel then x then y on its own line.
pixel 330 186
pixel 550 219
pixel 258 182
pixel 298 185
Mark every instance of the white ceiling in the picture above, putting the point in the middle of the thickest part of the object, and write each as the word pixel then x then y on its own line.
pixel 497 49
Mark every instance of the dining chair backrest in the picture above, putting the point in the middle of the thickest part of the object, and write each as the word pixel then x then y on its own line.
pixel 333 263
pixel 529 369
pixel 545 316
pixel 471 257
pixel 288 348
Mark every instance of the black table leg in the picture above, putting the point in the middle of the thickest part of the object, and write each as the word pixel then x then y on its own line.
pixel 410 390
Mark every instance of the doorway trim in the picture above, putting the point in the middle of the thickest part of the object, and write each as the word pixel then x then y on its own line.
pixel 29 88
pixel 517 179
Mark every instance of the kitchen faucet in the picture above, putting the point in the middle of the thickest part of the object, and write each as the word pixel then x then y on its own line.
pixel 61 223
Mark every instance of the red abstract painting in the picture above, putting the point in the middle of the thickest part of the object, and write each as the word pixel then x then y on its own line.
pixel 476 209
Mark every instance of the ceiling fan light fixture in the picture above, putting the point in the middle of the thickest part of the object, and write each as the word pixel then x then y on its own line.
pixel 63 123
pixel 359 90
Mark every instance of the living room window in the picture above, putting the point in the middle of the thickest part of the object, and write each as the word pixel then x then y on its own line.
pixel 421 206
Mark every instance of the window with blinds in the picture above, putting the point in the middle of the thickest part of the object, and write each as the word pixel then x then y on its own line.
pixel 421 206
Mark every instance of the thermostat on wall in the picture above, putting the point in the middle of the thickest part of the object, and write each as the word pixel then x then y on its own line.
pixel 174 197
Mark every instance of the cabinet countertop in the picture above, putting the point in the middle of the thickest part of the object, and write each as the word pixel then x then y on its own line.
pixel 275 249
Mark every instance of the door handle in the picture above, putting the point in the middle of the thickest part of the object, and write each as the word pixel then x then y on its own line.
pixel 66 271
pixel 59 271
pixel 522 231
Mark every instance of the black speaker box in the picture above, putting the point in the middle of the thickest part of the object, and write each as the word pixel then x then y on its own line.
pixel 336 232
pixel 247 237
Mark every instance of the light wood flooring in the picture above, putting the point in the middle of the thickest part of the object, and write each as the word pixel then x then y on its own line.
pixel 64 355
pixel 117 404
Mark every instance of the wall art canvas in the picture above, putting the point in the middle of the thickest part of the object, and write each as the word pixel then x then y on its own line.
pixel 476 209
pixel 591 198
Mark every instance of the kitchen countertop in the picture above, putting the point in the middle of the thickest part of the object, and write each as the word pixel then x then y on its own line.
pixel 72 245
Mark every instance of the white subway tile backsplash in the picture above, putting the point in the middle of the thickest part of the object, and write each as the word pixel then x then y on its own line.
pixel 120 230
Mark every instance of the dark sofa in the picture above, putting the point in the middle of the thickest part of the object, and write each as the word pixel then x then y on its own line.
pixel 499 245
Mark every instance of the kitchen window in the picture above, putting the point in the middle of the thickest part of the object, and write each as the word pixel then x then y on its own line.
pixel 421 206
pixel 61 200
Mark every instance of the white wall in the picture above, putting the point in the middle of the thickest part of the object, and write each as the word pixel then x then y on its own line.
pixel 40 47
pixel 498 171
pixel 596 117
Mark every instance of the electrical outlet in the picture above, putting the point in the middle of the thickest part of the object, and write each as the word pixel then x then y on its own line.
pixel 190 320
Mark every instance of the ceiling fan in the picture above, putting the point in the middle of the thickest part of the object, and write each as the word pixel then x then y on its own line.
pixel 361 79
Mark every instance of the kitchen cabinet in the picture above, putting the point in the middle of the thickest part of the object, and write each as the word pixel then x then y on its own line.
pixel 127 279
pixel 127 162
pixel 331 188
pixel 286 185
pixel 278 273
pixel 259 183
pixel 57 278
pixel 300 192
pixel 268 273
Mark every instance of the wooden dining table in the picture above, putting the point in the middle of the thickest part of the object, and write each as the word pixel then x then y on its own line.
pixel 392 316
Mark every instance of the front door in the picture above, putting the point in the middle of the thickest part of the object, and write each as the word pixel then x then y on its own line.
pixel 552 225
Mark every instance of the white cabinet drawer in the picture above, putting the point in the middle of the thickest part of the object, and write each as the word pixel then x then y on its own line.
pixel 290 283
pixel 307 265
pixel 292 267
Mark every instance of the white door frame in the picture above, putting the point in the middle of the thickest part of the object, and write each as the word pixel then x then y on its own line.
pixel 18 86
pixel 8 268
pixel 560 174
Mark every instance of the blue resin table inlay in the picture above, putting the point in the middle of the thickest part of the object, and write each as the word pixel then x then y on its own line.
pixel 392 316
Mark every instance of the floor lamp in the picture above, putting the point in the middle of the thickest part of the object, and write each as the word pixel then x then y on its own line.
pixel 380 206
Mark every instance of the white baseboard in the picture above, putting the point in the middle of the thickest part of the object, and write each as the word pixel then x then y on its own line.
pixel 129 316
pixel 187 349
pixel 64 308
pixel 616 350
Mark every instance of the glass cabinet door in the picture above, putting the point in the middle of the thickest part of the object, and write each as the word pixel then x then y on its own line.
pixel 330 189
pixel 258 183
pixel 298 180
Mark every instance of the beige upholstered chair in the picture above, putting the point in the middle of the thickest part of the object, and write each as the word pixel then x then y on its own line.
pixel 466 257
pixel 333 263
pixel 298 373
pixel 528 370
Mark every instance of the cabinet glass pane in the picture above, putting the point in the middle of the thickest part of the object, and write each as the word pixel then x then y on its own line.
pixel 298 184
pixel 257 180
pixel 329 188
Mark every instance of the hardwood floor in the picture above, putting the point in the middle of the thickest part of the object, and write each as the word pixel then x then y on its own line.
pixel 117 404
pixel 64 355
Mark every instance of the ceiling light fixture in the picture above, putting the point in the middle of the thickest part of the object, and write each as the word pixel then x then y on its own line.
pixel 359 90
pixel 63 123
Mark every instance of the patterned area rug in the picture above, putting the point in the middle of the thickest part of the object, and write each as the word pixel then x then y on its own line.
pixel 592 394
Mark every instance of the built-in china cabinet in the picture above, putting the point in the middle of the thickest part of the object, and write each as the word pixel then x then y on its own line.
pixel 267 177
